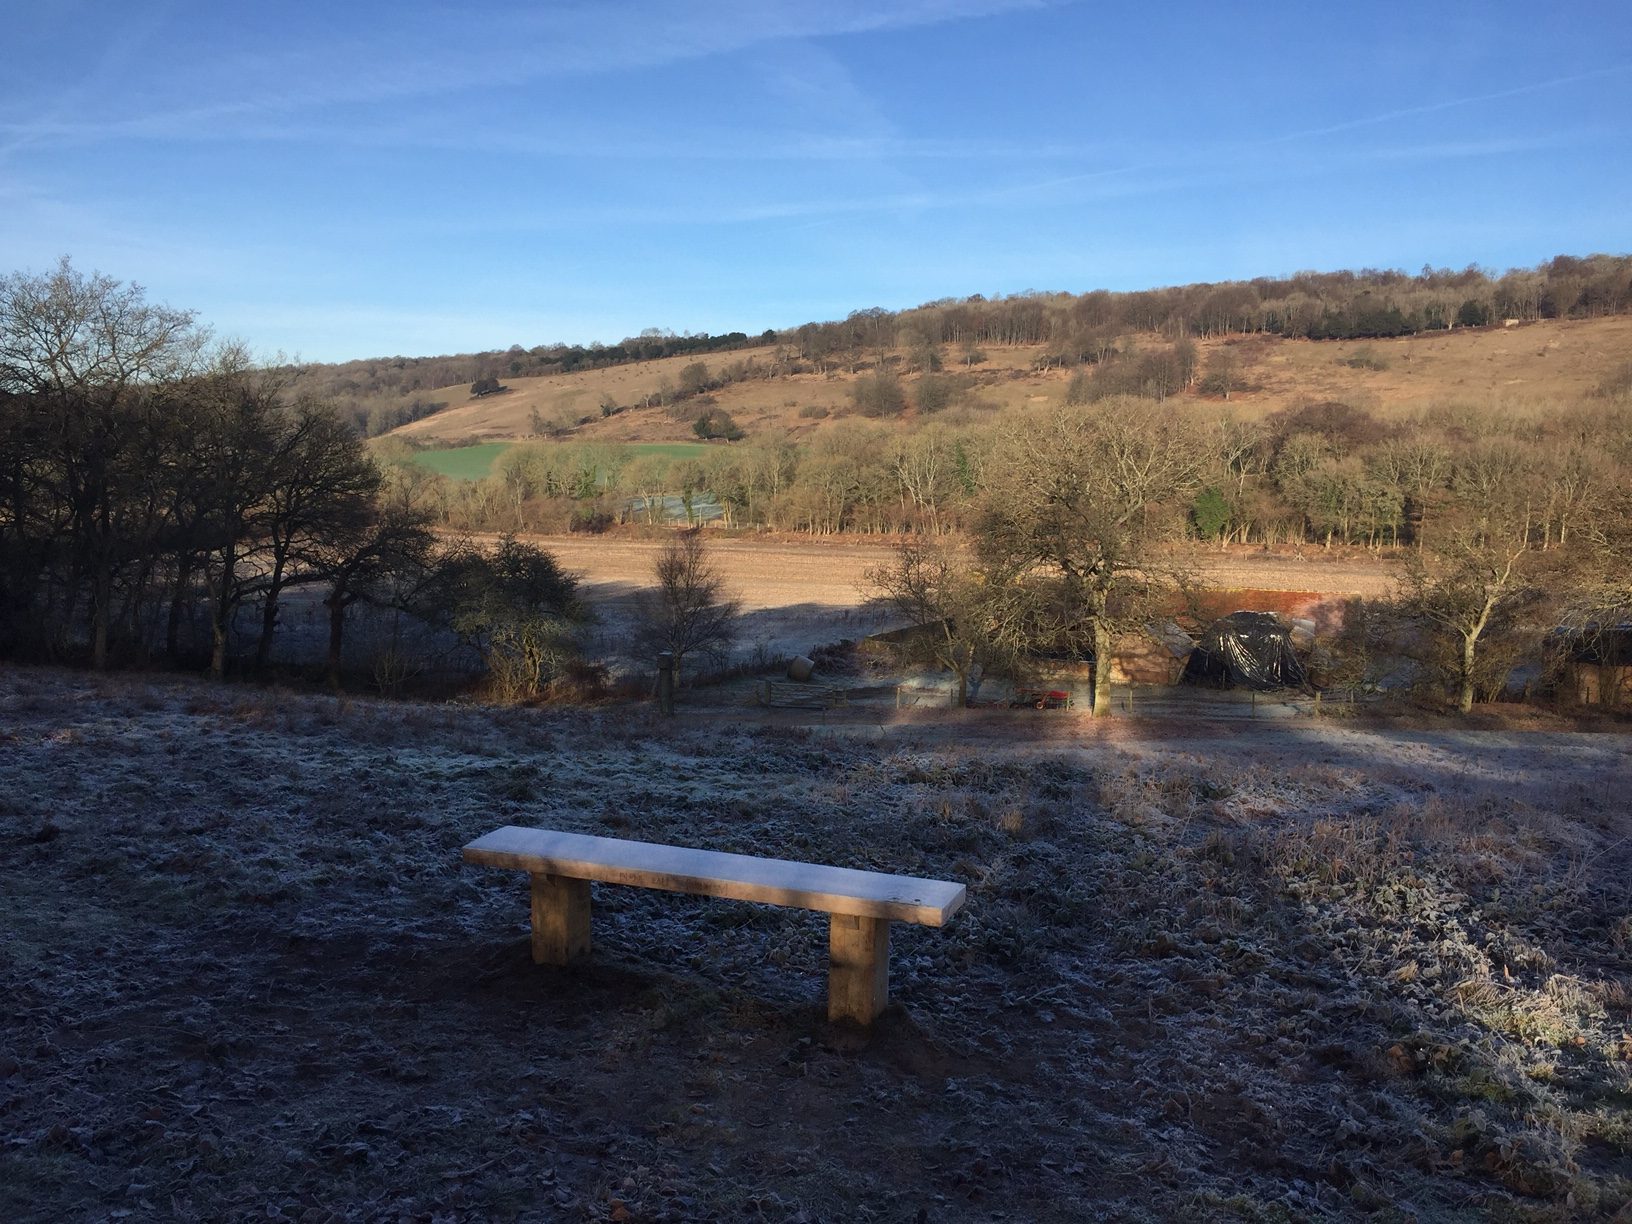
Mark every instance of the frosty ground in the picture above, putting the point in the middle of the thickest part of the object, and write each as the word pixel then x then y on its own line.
pixel 1308 970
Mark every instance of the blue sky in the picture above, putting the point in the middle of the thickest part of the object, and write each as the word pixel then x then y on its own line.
pixel 363 179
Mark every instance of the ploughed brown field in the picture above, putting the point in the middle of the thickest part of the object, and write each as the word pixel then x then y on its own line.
pixel 778 573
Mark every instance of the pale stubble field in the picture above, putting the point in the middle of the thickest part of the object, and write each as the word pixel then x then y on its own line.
pixel 774 573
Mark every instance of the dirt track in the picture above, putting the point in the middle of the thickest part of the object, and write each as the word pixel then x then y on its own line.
pixel 781 573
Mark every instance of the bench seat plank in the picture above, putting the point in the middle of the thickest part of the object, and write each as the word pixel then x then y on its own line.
pixel 712 873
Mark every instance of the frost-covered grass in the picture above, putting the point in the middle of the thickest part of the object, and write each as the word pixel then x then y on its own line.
pixel 1314 971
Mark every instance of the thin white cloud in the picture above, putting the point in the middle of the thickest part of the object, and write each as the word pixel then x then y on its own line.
pixel 587 140
pixel 1431 108
pixel 446 51
pixel 1184 170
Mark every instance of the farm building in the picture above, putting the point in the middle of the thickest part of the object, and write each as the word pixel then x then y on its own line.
pixel 1597 668
pixel 1156 656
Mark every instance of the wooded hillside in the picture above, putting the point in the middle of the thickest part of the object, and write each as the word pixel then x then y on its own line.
pixel 1067 330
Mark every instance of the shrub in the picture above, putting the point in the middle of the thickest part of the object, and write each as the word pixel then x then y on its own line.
pixel 589 519
pixel 1364 358
pixel 716 423
pixel 523 651
pixel 1338 422
pixel 695 379
pixel 580 682
pixel 878 394
pixel 1210 513
pixel 1080 390
pixel 515 606
pixel 935 392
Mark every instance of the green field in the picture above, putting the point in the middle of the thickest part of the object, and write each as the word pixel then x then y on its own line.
pixel 475 462
pixel 464 462
pixel 669 450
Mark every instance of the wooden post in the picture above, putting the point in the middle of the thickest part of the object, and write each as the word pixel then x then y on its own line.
pixel 858 975
pixel 560 919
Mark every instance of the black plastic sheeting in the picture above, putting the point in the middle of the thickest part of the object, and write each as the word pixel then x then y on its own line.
pixel 1246 650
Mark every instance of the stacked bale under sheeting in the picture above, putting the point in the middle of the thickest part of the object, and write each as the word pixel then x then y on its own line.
pixel 1246 650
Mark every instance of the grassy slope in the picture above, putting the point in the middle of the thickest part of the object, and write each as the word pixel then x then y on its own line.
pixel 475 462
pixel 669 450
pixel 1294 975
pixel 464 462
pixel 1526 367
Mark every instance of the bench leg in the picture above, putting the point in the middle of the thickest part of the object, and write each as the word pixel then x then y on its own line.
pixel 560 919
pixel 858 975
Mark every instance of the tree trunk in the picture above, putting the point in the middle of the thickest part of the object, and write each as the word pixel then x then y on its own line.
pixel 269 626
pixel 101 597
pixel 1465 698
pixel 1470 643
pixel 269 609
pixel 337 627
pixel 1102 667
pixel 133 611
pixel 221 616
pixel 172 629
pixel 218 649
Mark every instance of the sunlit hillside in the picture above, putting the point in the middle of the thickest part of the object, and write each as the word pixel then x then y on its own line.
pixel 1528 366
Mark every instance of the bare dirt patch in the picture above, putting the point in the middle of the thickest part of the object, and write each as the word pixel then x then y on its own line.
pixel 1321 974
pixel 802 594
pixel 772 573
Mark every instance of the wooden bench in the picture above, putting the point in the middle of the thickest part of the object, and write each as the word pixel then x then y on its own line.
pixel 862 904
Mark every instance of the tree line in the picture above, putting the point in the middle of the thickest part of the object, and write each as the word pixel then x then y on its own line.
pixel 1051 533
pixel 1308 305
pixel 1069 329
pixel 380 394
pixel 1066 553
pixel 156 490
pixel 1343 305
pixel 1323 474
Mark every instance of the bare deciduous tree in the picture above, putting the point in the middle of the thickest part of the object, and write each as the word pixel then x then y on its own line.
pixel 1076 498
pixel 64 332
pixel 1472 574
pixel 396 545
pixel 689 610
pixel 970 616
pixel 79 358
